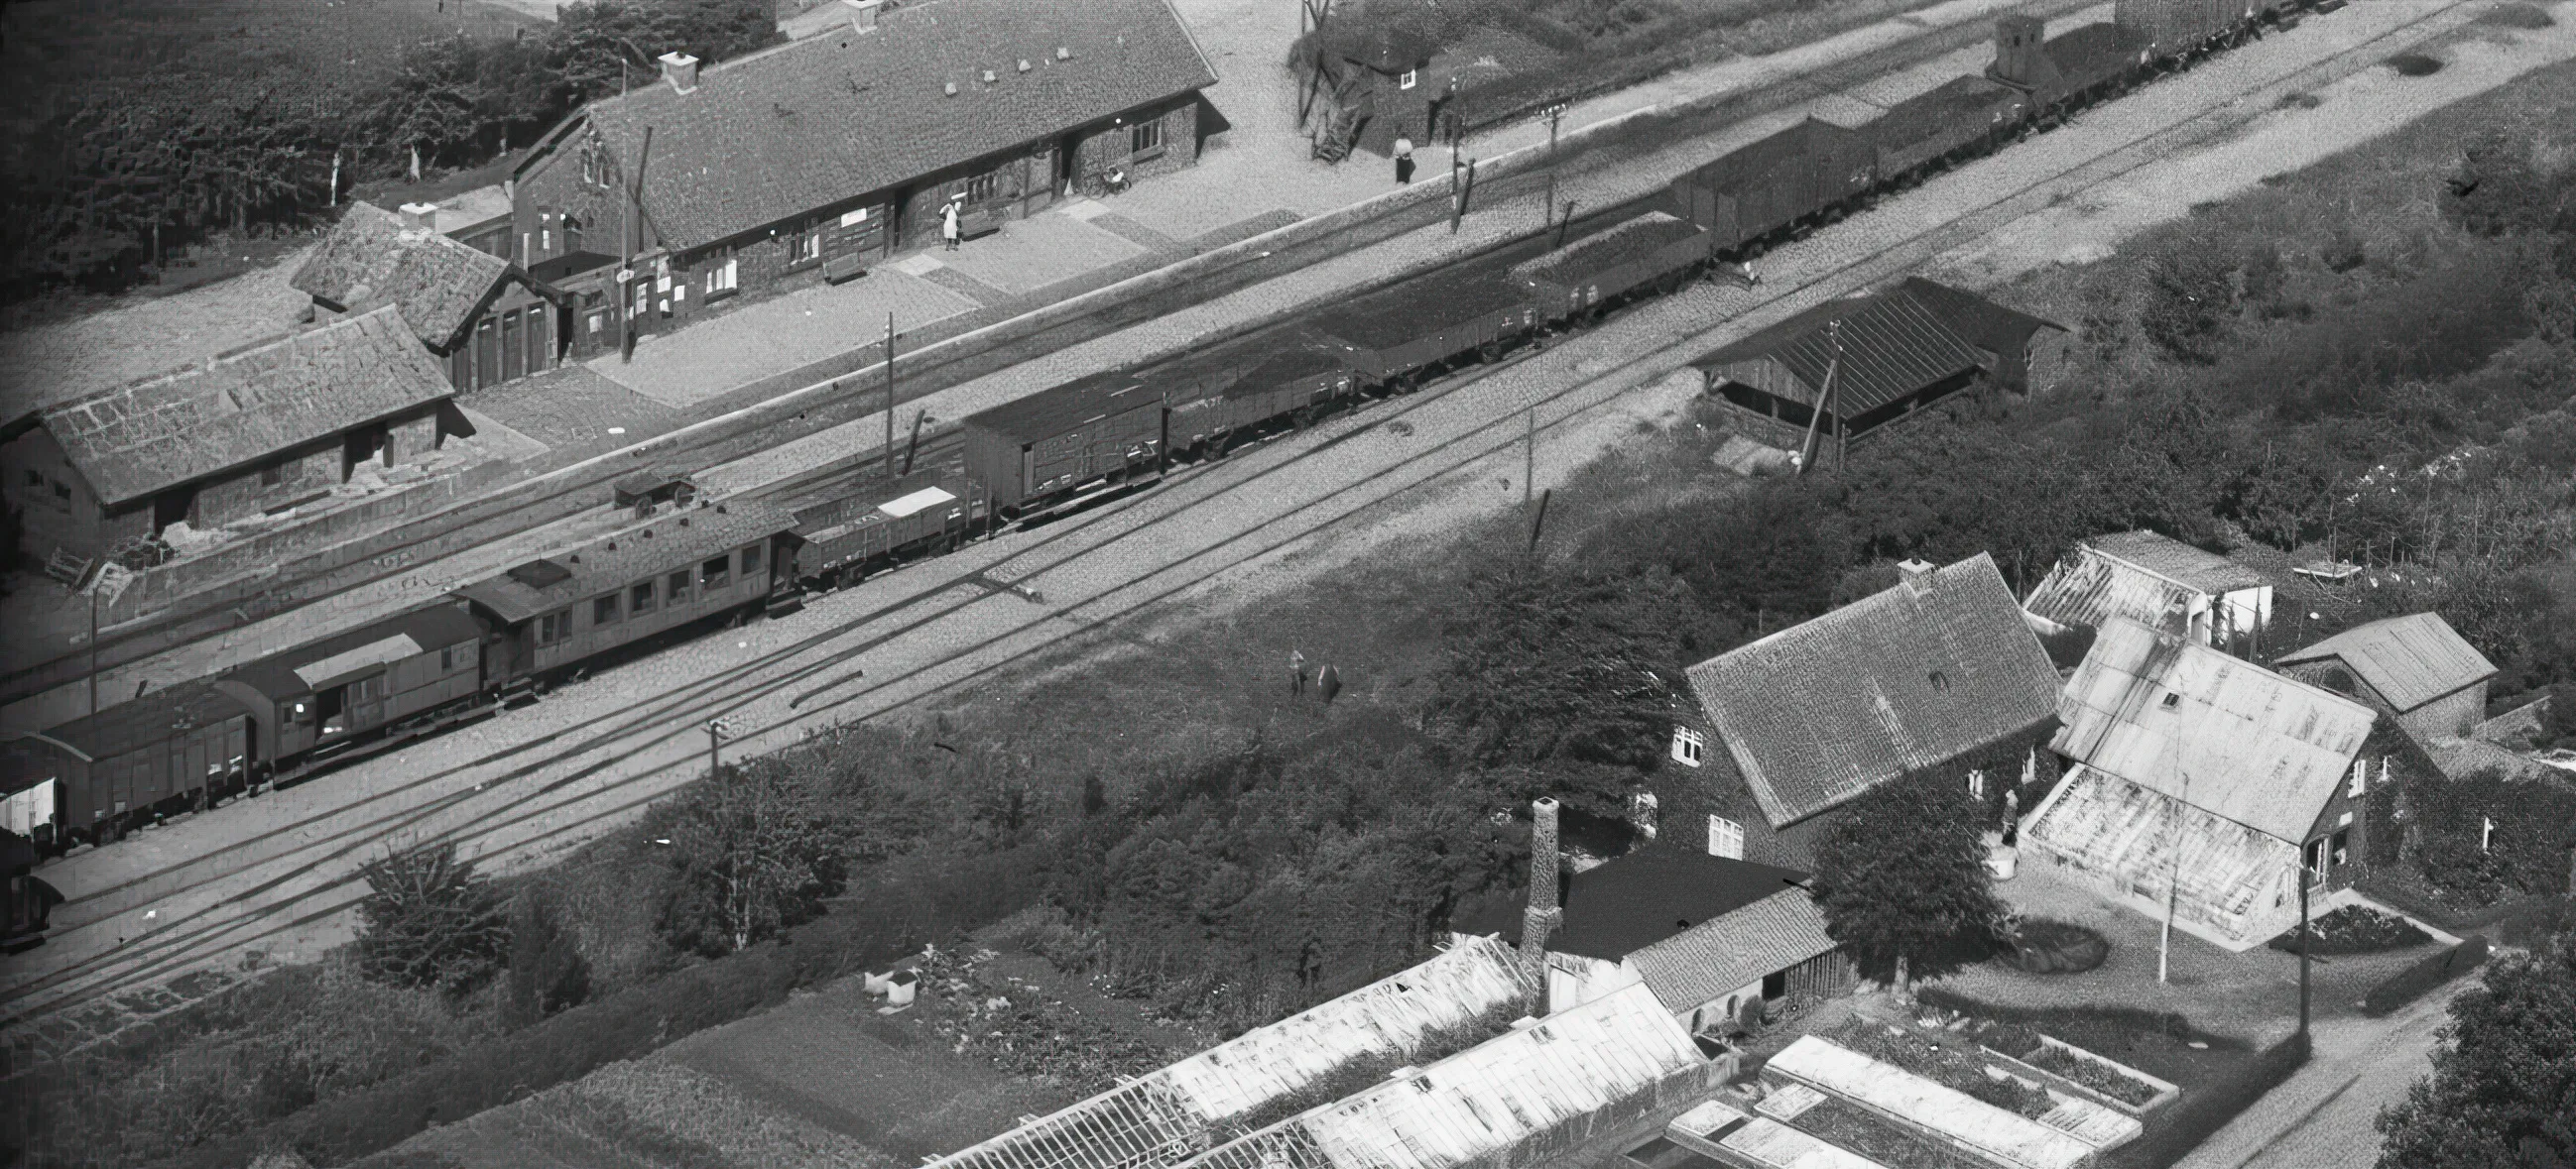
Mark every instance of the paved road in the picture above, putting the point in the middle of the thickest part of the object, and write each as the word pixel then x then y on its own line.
pixel 2322 1116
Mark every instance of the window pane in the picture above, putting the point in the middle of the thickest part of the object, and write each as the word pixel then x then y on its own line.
pixel 750 561
pixel 713 573
pixel 679 587
pixel 641 601
pixel 603 609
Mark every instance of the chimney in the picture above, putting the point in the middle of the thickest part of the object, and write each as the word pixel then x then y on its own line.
pixel 681 70
pixel 1917 574
pixel 1543 914
pixel 419 216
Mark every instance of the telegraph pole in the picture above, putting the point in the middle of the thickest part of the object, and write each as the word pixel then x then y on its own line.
pixel 1529 458
pixel 889 445
pixel 1554 113
pixel 717 732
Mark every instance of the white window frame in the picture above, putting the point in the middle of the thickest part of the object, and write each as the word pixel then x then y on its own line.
pixel 2360 770
pixel 1689 746
pixel 1725 837
pixel 722 277
pixel 1408 79
pixel 854 218
pixel 1976 783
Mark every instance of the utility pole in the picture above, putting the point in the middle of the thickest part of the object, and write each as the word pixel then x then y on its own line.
pixel 632 211
pixel 1824 397
pixel 717 732
pixel 1529 458
pixel 2305 942
pixel 93 648
pixel 889 445
pixel 1554 113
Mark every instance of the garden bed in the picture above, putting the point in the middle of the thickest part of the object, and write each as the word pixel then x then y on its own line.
pixel 1950 1059
pixel 1853 1128
pixel 2354 929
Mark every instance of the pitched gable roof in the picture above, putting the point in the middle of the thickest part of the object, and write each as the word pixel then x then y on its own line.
pixel 1819 713
pixel 1740 947
pixel 372 259
pixel 238 409
pixel 837 115
pixel 1892 346
pixel 1629 903
pixel 2219 733
pixel 1981 322
pixel 2409 660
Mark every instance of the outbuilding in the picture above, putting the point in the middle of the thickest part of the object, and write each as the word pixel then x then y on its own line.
pixel 2156 581
pixel 482 317
pixel 2416 668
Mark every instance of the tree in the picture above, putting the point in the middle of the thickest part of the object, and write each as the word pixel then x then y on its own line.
pixel 1572 664
pixel 2503 1088
pixel 753 852
pixel 547 971
pixel 1902 878
pixel 430 921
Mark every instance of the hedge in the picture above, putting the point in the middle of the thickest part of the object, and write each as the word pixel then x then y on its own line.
pixel 894 917
pixel 2166 1022
pixel 2409 984
pixel 2208 1107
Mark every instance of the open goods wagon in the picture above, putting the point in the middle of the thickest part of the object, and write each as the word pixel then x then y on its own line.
pixel 1416 327
pixel 1651 250
pixel 1245 387
pixel 1776 184
pixel 1967 116
pixel 1038 450
pixel 883 524
pixel 2175 28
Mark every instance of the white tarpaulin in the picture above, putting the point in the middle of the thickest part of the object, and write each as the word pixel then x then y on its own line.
pixel 927 497
pixel 21 813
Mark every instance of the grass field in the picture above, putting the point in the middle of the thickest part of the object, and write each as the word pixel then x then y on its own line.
pixel 342 44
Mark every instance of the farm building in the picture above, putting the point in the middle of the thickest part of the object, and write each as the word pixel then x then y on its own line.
pixel 477 312
pixel 2156 581
pixel 1865 361
pixel 1162 1119
pixel 1550 1089
pixel 2416 668
pixel 1709 935
pixel 804 162
pixel 1936 675
pixel 2194 769
pixel 258 430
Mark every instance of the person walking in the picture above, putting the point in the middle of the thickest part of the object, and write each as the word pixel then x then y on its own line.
pixel 1296 672
pixel 1404 161
pixel 948 229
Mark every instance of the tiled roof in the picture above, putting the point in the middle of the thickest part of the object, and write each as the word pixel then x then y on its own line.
pixel 1819 713
pixel 371 259
pixel 670 543
pixel 2219 733
pixel 1981 322
pixel 1629 903
pixel 837 115
pixel 1892 346
pixel 2176 561
pixel 1747 944
pixel 2409 660
pixel 289 674
pixel 236 410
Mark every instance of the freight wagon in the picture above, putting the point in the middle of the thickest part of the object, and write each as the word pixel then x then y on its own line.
pixel 95 778
pixel 1967 116
pixel 1039 450
pixel 2066 71
pixel 683 568
pixel 882 525
pixel 1779 184
pixel 26 901
pixel 1651 251
pixel 1404 333
pixel 1240 389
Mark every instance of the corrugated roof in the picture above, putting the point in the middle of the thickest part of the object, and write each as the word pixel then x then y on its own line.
pixel 671 543
pixel 1981 322
pixel 1486 1100
pixel 1164 1118
pixel 1716 958
pixel 371 259
pixel 2088 588
pixel 2230 882
pixel 2409 660
pixel 1892 346
pixel 233 411
pixel 1628 903
pixel 130 726
pixel 2176 561
pixel 2258 748
pixel 837 115
pixel 282 675
pixel 1819 713
pixel 1999 1136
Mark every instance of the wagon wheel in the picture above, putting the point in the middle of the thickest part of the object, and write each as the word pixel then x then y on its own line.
pixel 1674 282
pixel 1492 351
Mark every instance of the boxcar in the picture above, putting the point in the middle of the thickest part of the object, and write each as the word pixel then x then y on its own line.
pixel 1245 386
pixel 683 567
pixel 95 778
pixel 404 674
pixel 1966 116
pixel 883 523
pixel 1649 249
pixel 1773 184
pixel 1038 448
pixel 1422 323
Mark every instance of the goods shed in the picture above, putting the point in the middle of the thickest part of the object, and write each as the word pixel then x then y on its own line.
pixel 1839 371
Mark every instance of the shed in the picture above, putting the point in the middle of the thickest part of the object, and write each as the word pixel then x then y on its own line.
pixel 2160 582
pixel 480 314
pixel 1888 354
pixel 2416 667
pixel 2022 352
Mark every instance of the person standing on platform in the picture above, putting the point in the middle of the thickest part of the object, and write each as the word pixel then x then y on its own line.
pixel 948 229
pixel 1404 161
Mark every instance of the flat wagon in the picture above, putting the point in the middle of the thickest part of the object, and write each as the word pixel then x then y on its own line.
pixel 1652 250
pixel 1244 387
pixel 1773 185
pixel 2175 28
pixel 92 780
pixel 1969 115
pixel 884 523
pixel 1418 326
pixel 1043 447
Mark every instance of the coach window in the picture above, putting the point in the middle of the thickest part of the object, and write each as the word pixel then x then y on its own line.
pixel 750 561
pixel 640 600
pixel 603 610
pixel 715 574
pixel 679 593
pixel 550 628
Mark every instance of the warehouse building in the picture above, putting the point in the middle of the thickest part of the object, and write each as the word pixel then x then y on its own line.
pixel 474 310
pixel 810 160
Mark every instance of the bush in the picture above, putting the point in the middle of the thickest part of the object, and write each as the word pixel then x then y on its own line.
pixel 2092 1073
pixel 2047 946
pixel 547 972
pixel 2433 970
pixel 430 921
pixel 753 852
pixel 2205 1109
pixel 2354 929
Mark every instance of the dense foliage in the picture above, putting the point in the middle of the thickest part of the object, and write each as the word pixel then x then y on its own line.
pixel 752 852
pixel 2503 1088
pixel 1902 878
pixel 429 920
pixel 127 160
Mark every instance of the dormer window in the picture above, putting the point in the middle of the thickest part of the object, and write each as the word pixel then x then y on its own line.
pixel 1407 79
pixel 1688 746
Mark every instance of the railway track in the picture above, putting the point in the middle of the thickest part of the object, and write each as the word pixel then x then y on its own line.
pixel 313 879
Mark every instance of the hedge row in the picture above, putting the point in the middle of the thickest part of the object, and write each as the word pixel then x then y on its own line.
pixel 2433 970
pixel 873 926
pixel 2136 1018
pixel 2207 1108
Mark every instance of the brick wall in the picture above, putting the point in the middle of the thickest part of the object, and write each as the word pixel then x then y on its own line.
pixel 299 475
pixel 1097 149
pixel 54 504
